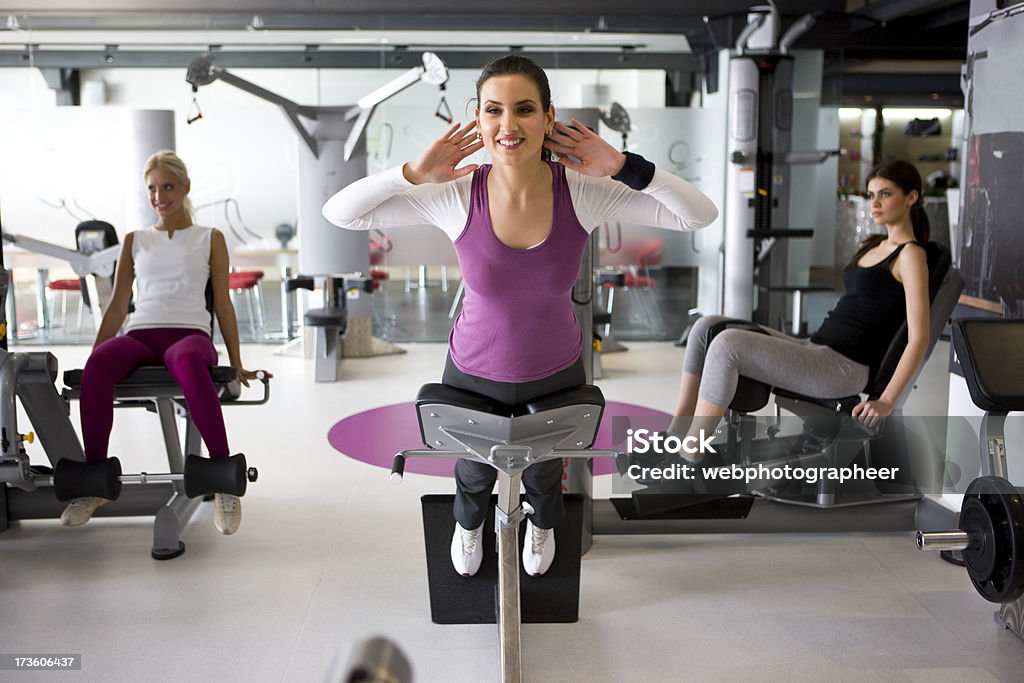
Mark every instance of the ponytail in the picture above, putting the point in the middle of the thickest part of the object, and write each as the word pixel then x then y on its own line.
pixel 919 219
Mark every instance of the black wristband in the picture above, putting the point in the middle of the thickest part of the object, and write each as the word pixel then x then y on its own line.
pixel 636 173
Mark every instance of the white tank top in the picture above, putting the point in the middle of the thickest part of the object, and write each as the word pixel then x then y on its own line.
pixel 171 276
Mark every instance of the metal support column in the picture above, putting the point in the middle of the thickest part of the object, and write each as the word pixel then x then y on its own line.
pixel 508 576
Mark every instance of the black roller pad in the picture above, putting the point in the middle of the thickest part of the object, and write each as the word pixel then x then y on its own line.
pixel 76 479
pixel 454 599
pixel 221 475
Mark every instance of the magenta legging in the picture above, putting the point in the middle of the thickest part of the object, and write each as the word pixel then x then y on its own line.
pixel 187 353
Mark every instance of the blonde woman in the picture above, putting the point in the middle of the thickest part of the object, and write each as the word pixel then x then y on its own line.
pixel 172 261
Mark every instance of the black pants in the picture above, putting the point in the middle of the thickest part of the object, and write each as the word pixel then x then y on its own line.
pixel 474 481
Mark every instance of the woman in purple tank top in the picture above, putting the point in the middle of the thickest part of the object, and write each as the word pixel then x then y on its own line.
pixel 519 226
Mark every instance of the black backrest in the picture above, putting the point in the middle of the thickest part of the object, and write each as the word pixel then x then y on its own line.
pixel 91 237
pixel 209 302
pixel 991 355
pixel 944 287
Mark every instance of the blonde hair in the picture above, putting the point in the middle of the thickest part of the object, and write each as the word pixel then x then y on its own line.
pixel 169 161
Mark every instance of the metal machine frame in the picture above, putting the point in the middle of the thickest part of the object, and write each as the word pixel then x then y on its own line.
pixel 30 377
pixel 509 445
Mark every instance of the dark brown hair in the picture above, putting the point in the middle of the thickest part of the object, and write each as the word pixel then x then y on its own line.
pixel 906 177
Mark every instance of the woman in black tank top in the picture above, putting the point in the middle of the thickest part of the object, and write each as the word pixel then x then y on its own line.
pixel 886 283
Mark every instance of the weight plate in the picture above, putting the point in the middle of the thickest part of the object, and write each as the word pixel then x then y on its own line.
pixel 981 557
pixel 993 512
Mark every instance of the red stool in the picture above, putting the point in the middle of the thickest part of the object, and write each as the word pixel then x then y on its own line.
pixel 637 278
pixel 380 246
pixel 647 253
pixel 378 276
pixel 65 286
pixel 248 283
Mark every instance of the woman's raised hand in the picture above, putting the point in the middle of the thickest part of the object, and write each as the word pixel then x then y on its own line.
pixel 439 162
pixel 595 156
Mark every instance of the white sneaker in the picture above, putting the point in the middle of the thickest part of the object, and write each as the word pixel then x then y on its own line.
pixel 538 549
pixel 79 510
pixel 227 513
pixel 467 550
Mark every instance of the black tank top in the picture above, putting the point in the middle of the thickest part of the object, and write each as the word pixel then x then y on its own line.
pixel 868 315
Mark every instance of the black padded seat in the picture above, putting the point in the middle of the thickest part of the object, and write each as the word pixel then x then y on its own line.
pixel 991 354
pixel 156 381
pixel 586 394
pixel 838 405
pixel 436 393
pixel 154 375
pixel 333 316
pixel 329 324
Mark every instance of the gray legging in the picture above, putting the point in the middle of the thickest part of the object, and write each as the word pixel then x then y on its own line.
pixel 774 358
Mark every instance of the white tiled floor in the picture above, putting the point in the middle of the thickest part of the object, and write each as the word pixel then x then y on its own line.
pixel 329 553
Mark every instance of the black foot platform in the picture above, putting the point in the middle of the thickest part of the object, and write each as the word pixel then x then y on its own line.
pixel 552 598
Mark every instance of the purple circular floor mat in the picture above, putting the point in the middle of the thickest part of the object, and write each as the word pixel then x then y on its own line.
pixel 374 436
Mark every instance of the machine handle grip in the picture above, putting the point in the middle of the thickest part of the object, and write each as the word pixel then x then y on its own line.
pixel 397 468
pixel 265 381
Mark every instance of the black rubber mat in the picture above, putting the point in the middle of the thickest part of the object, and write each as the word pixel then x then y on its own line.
pixel 454 599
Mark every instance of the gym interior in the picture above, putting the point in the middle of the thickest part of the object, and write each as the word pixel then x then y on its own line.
pixel 777 112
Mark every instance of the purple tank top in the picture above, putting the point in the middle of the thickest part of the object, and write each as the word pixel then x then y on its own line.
pixel 517 322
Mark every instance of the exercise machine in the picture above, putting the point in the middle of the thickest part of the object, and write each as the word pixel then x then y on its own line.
pixel 828 435
pixel 37 492
pixel 330 321
pixel 93 262
pixel 457 423
pixel 333 155
pixel 757 177
pixel 990 536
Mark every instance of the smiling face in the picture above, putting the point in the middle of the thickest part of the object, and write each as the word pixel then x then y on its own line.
pixel 512 120
pixel 888 203
pixel 166 192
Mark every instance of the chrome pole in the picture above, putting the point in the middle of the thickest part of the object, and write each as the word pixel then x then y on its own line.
pixel 508 579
